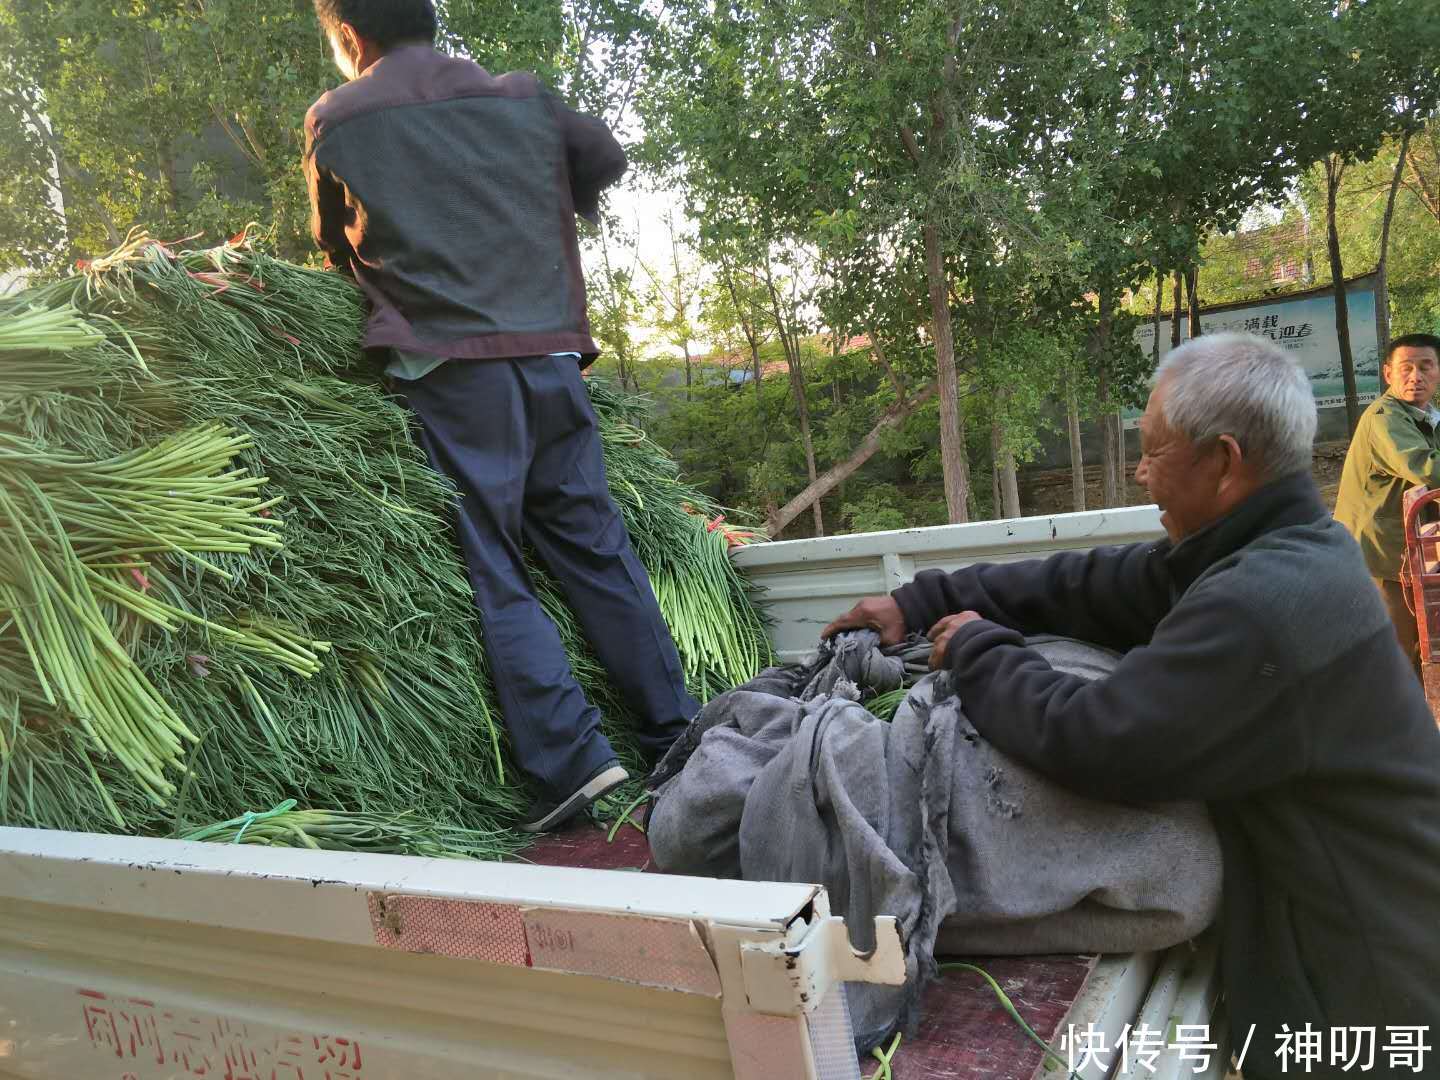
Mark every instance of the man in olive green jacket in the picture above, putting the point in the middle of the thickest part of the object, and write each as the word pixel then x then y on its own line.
pixel 1396 446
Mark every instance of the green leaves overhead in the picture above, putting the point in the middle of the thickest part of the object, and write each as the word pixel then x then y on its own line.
pixel 185 116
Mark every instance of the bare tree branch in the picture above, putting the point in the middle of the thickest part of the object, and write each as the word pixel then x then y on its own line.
pixel 1421 186
pixel 879 353
pixel 826 482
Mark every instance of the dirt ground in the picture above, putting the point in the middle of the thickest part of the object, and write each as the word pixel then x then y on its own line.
pixel 1047 491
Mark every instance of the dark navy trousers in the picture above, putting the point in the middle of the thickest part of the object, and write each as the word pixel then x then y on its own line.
pixel 519 438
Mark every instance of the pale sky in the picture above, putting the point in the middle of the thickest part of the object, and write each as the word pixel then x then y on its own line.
pixel 642 212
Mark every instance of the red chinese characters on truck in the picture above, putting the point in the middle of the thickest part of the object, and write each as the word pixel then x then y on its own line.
pixel 136 1030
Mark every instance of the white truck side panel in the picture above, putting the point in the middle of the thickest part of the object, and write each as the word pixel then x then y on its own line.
pixel 806 583
pixel 124 958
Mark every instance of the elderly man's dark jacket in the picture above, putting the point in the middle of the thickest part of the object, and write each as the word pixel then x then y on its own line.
pixel 1261 675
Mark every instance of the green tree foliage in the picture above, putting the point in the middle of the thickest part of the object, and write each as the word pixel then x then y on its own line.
pixel 177 116
pixel 1414 257
pixel 616 307
pixel 185 116
pixel 1284 250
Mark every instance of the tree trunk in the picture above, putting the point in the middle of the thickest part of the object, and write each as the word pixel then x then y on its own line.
pixel 680 302
pixel 1009 483
pixel 954 465
pixel 256 147
pixel 1159 301
pixel 1077 450
pixel 747 327
pixel 1109 489
pixel 1100 347
pixel 170 186
pixel 1334 172
pixel 1175 317
pixel 67 173
pixel 1382 277
pixel 877 351
pixel 1192 293
pixel 1425 191
pixel 995 496
pixel 836 474
pixel 797 388
pixel 1122 478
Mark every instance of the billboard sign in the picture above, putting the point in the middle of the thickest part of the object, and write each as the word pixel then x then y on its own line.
pixel 1303 324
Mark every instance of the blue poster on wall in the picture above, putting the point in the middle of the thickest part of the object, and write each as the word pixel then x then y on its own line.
pixel 1305 326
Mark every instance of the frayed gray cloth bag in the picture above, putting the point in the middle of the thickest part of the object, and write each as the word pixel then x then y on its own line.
pixel 791 778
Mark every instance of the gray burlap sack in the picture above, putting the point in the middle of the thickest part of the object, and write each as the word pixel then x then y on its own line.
pixel 791 778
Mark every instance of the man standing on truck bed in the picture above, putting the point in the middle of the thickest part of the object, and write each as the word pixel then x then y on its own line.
pixel 451 195
pixel 1261 675
pixel 1396 445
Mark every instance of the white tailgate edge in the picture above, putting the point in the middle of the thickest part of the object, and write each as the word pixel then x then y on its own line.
pixel 126 958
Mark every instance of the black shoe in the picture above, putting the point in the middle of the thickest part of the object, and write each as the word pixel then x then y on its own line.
pixel 547 814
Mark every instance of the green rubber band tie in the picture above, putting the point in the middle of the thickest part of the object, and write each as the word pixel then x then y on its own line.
pixel 250 817
pixel 245 820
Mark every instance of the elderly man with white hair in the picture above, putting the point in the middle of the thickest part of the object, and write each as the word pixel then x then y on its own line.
pixel 1261 674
